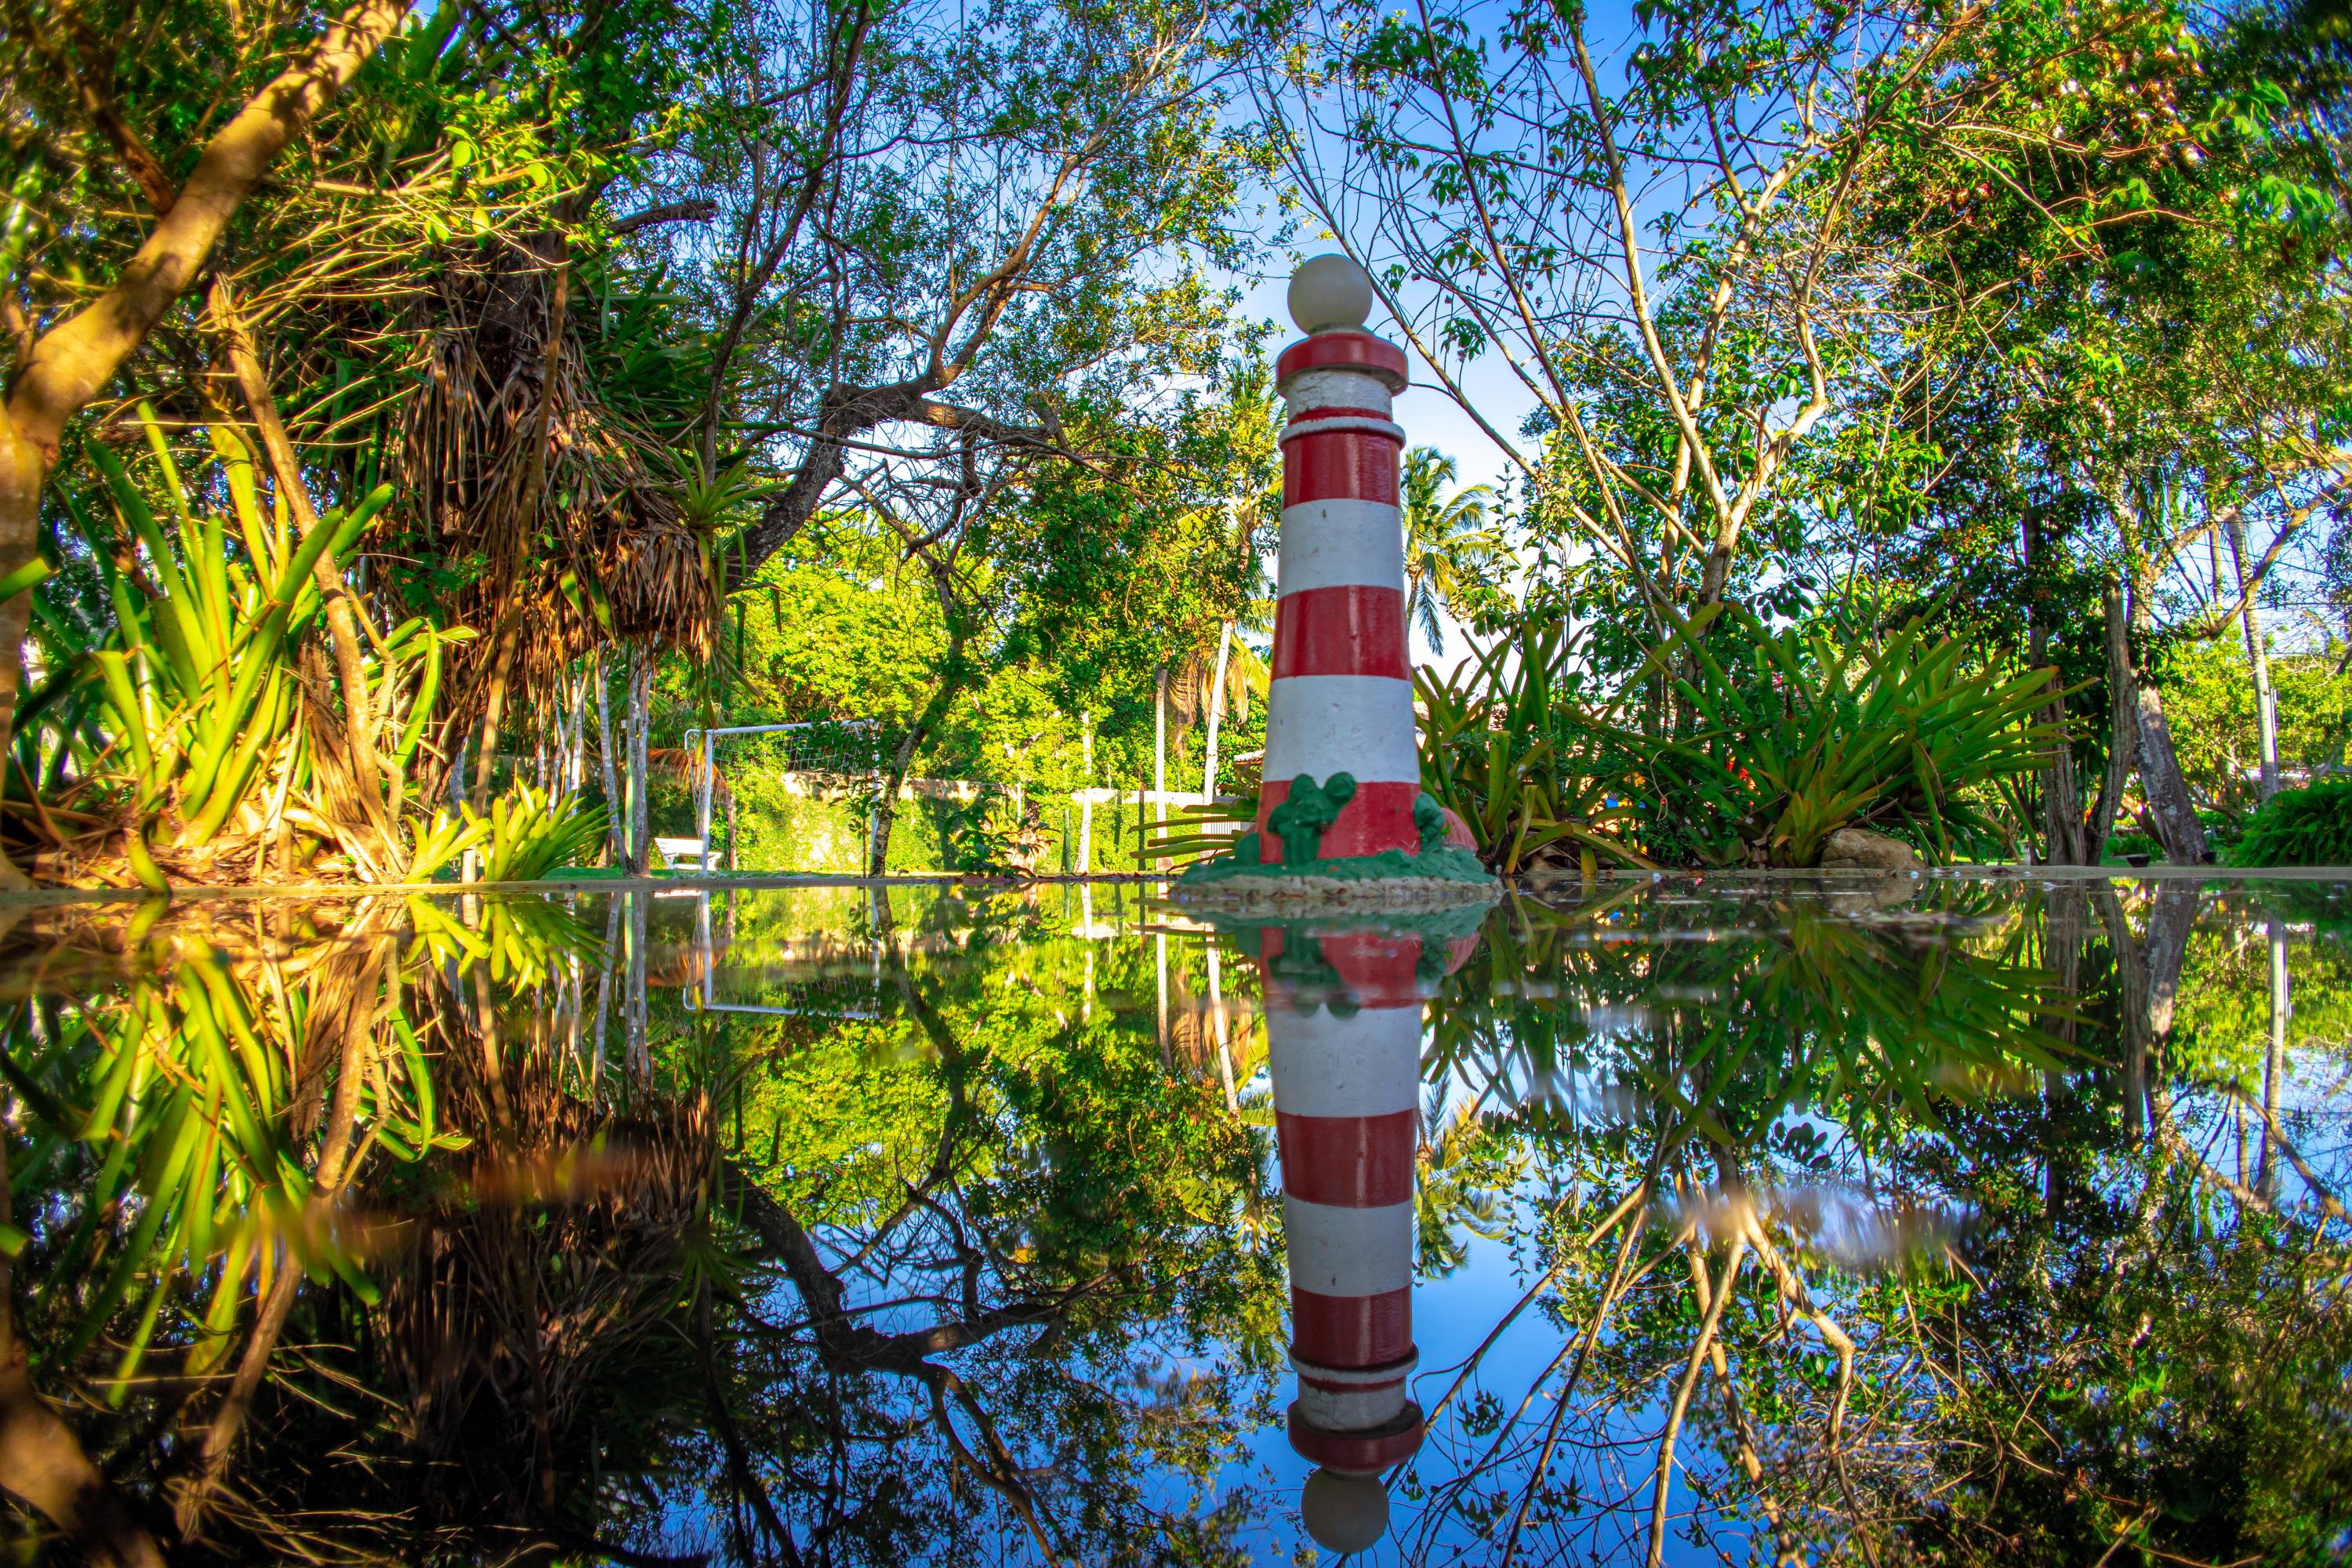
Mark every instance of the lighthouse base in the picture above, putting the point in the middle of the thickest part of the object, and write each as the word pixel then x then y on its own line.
pixel 1439 877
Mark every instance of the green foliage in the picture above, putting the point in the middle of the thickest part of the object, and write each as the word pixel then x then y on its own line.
pixel 1782 738
pixel 2308 826
pixel 1797 734
pixel 176 1098
pixel 2208 703
pixel 527 834
pixel 1507 745
pixel 194 690
pixel 1195 833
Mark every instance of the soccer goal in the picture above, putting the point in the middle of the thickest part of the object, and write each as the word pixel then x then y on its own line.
pixel 833 762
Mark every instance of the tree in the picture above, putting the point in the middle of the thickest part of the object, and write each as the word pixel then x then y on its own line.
pixel 60 366
pixel 1673 265
pixel 1452 551
pixel 948 244
pixel 2127 362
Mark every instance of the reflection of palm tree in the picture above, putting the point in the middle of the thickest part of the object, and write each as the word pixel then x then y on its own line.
pixel 1451 545
pixel 1451 1193
pixel 1259 1214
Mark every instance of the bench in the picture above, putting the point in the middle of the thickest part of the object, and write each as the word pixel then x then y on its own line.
pixel 684 854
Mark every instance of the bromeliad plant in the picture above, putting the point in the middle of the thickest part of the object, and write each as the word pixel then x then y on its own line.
pixel 199 737
pixel 206 1119
pixel 1769 742
pixel 1507 745
pixel 527 834
pixel 1792 735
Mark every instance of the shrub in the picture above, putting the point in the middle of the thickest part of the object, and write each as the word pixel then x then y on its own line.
pixel 2311 826
pixel 1507 745
pixel 1799 735
pixel 1779 739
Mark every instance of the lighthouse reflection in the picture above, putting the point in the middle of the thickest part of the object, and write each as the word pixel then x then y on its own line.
pixel 1343 1014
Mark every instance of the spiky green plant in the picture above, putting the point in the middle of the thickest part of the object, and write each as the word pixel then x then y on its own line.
pixel 2309 827
pixel 1798 735
pixel 1508 745
pixel 525 835
pixel 182 1113
pixel 203 745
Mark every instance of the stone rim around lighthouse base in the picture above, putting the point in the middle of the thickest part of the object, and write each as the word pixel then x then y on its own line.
pixel 1440 878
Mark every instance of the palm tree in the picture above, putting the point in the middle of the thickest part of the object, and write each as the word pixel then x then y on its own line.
pixel 1451 545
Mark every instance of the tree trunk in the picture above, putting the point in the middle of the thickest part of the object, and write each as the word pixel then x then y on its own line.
pixel 1159 745
pixel 23 469
pixel 342 624
pixel 903 759
pixel 2131 975
pixel 2265 699
pixel 575 764
pixel 2062 800
pixel 2178 824
pixel 2274 1060
pixel 1086 806
pixel 42 1463
pixel 885 801
pixel 2062 796
pixel 494 708
pixel 2123 728
pixel 616 827
pixel 641 695
pixel 2178 827
pixel 952 683
pixel 1216 711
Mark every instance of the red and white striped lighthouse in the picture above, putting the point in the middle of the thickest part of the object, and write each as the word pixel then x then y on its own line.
pixel 1341 700
pixel 1347 1082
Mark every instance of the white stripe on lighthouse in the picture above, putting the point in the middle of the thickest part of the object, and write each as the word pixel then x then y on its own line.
pixel 1324 724
pixel 1312 423
pixel 1353 1408
pixel 1311 389
pixel 1369 1065
pixel 1347 1252
pixel 1341 543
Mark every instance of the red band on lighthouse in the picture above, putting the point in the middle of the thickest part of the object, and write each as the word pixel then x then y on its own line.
pixel 1348 1160
pixel 1344 350
pixel 1346 629
pixel 1340 465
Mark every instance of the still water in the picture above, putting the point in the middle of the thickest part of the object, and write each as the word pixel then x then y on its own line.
pixel 1683 1221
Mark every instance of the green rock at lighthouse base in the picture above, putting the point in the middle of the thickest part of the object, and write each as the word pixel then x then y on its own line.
pixel 1438 878
pixel 1444 864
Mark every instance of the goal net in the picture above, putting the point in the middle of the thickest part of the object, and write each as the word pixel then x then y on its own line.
pixel 787 797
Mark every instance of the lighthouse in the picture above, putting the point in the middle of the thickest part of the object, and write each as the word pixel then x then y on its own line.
pixel 1341 818
pixel 1341 706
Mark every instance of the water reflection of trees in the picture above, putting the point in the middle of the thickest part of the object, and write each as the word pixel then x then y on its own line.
pixel 344 1237
pixel 1894 1229
pixel 1974 1225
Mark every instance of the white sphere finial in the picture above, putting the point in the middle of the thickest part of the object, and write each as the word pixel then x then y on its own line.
pixel 1330 292
pixel 1343 1512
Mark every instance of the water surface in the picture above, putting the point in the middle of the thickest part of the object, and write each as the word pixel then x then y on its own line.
pixel 1930 1221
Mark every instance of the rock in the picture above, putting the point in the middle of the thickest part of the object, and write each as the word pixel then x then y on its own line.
pixel 1457 832
pixel 1859 849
